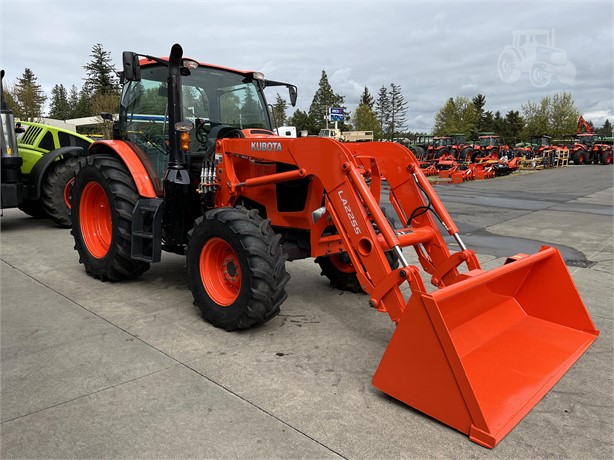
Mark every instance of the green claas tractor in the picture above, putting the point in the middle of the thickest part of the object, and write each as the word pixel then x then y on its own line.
pixel 38 167
pixel 49 161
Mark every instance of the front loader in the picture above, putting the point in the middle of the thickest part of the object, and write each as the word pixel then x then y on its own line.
pixel 195 169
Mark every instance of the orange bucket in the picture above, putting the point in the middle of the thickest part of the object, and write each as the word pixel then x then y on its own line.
pixel 479 354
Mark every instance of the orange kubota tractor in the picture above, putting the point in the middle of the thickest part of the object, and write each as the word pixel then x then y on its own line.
pixel 195 169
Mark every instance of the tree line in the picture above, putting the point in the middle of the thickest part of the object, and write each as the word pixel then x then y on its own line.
pixel 556 116
pixel 385 114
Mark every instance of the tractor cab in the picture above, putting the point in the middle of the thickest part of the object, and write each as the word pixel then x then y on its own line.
pixel 541 141
pixel 214 102
pixel 489 141
pixel 442 142
pixel 587 139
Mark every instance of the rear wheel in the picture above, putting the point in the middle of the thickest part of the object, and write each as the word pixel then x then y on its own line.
pixel 577 157
pixel 103 199
pixel 236 268
pixel 56 190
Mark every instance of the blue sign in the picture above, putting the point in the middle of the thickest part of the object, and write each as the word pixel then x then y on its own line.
pixel 336 117
pixel 336 111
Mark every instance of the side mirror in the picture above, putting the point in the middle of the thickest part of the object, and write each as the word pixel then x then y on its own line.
pixel 293 94
pixel 106 116
pixel 132 68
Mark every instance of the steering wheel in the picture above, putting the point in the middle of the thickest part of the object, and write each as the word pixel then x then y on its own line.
pixel 202 130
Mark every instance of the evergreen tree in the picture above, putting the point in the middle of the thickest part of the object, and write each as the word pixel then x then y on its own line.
pixel 382 109
pixel 101 74
pixel 606 129
pixel 302 121
pixel 498 124
pixel 59 106
pixel 29 96
pixel 83 108
pixel 73 101
pixel 398 110
pixel 367 99
pixel 323 99
pixel 479 101
pixel 279 111
pixel 514 124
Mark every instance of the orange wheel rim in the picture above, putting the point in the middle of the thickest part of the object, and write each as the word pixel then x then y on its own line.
pixel 68 192
pixel 341 265
pixel 220 271
pixel 95 220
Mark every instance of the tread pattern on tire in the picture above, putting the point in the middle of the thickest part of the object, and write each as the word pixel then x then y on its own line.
pixel 118 264
pixel 266 276
pixel 52 190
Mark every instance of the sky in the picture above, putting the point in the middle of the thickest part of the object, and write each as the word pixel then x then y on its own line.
pixel 432 50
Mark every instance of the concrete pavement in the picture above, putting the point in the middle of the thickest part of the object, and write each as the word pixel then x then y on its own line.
pixel 127 370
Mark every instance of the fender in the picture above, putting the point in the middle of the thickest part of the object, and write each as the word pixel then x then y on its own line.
pixel 145 178
pixel 35 178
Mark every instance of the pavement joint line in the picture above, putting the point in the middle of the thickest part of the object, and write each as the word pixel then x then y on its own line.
pixel 283 422
pixel 179 363
pixel 85 395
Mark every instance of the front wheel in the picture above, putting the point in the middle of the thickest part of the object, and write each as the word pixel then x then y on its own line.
pixel 236 268
pixel 56 190
pixel 103 199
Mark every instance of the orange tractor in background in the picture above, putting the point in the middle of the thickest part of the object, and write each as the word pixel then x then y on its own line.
pixel 589 147
pixel 194 168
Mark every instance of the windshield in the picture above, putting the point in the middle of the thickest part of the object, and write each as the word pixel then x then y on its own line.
pixel 215 95
pixel 488 141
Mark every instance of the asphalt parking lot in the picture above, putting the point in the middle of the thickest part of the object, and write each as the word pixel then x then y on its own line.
pixel 130 370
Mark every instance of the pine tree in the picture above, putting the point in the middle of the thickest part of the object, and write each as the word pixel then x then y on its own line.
pixel 59 106
pixel 302 121
pixel 29 96
pixel 73 101
pixel 514 125
pixel 279 111
pixel 367 99
pixel 101 74
pixel 83 108
pixel 479 101
pixel 382 109
pixel 323 99
pixel 398 110
pixel 606 129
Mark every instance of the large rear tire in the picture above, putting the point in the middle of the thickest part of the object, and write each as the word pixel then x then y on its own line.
pixel 103 199
pixel 236 268
pixel 56 190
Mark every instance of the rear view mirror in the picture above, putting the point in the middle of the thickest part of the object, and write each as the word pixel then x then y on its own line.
pixel 293 94
pixel 132 68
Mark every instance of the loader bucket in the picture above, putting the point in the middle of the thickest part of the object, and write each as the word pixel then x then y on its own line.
pixel 477 355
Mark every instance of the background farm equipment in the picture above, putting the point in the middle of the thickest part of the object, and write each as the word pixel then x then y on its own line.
pixel 46 157
pixel 476 354
pixel 589 147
